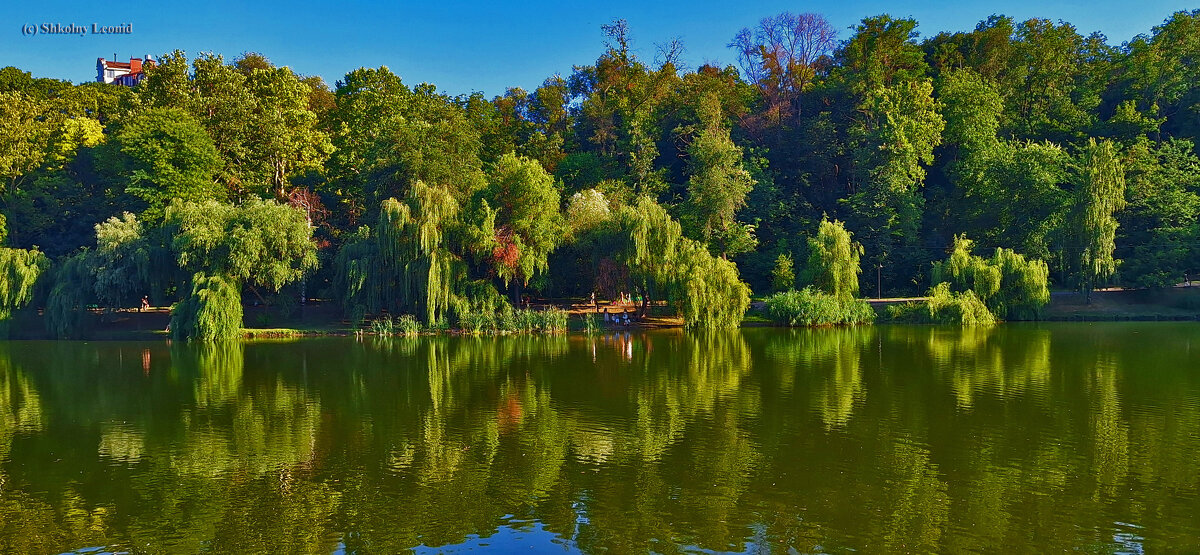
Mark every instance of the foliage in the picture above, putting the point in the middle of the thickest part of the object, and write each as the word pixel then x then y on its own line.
pixel 1100 195
pixel 944 307
pixel 23 134
pixel 527 219
pixel 965 272
pixel 1024 286
pixel 1011 286
pixel 212 312
pixel 718 185
pixel 705 290
pixel 1160 222
pixel 121 263
pixel 833 260
pixel 165 154
pixel 1027 134
pixel 783 276
pixel 810 307
pixel 71 293
pixel 586 211
pixel 260 243
pixel 19 273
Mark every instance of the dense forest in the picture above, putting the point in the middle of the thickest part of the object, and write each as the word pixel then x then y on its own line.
pixel 210 182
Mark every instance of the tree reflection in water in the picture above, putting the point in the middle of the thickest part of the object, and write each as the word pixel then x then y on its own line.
pixel 889 438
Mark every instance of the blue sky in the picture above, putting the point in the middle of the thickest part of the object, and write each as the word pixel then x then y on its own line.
pixel 477 46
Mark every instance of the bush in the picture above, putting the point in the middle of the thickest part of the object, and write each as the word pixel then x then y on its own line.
pixel 406 325
pixel 553 320
pixel 944 307
pixel 814 308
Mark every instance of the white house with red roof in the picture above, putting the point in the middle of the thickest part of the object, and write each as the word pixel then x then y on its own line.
pixel 121 73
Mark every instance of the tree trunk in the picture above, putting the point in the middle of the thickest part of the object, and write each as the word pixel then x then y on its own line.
pixel 645 303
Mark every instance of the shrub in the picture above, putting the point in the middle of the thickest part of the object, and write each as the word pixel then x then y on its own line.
pixel 944 307
pixel 553 320
pixel 407 325
pixel 808 307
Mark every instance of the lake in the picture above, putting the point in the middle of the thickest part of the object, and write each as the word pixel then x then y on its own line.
pixel 1019 438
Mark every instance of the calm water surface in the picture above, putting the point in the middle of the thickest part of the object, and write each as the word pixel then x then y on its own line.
pixel 1042 438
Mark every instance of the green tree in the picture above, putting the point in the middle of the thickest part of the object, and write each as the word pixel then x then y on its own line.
pixel 1100 194
pixel 1010 285
pixel 71 293
pixel 212 312
pixel 258 243
pixel 895 134
pixel 783 275
pixel 404 264
pixel 388 137
pixel 705 290
pixel 165 154
pixel 24 133
pixel 833 261
pixel 258 116
pixel 718 185
pixel 1158 228
pixel 255 244
pixel 882 53
pixel 19 273
pixel 527 222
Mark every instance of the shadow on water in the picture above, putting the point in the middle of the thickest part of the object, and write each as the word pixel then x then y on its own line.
pixel 887 438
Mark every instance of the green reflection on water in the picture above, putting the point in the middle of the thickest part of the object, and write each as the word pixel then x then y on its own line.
pixel 888 438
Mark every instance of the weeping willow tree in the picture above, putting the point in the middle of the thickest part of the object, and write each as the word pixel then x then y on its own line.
pixel 404 264
pixel 967 272
pixel 72 292
pixel 651 239
pixel 255 244
pixel 212 312
pixel 1010 285
pixel 710 293
pixel 833 260
pixel 705 290
pixel 19 273
pixel 1100 195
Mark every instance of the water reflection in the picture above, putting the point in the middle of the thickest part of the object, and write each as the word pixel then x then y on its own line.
pixel 875 439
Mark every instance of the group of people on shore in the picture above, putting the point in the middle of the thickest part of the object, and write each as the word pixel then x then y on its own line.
pixel 620 317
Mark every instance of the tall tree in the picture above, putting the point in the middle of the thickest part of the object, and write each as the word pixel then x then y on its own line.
pixel 718 185
pixel 1100 194
pixel 527 223
pixel 783 56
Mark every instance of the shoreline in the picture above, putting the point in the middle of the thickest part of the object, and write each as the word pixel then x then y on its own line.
pixel 323 319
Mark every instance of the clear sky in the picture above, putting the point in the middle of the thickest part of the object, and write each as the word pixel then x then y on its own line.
pixel 476 46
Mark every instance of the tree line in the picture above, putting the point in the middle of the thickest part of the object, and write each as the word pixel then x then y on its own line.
pixel 212 181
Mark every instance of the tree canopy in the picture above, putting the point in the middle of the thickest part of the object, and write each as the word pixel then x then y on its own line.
pixel 630 174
